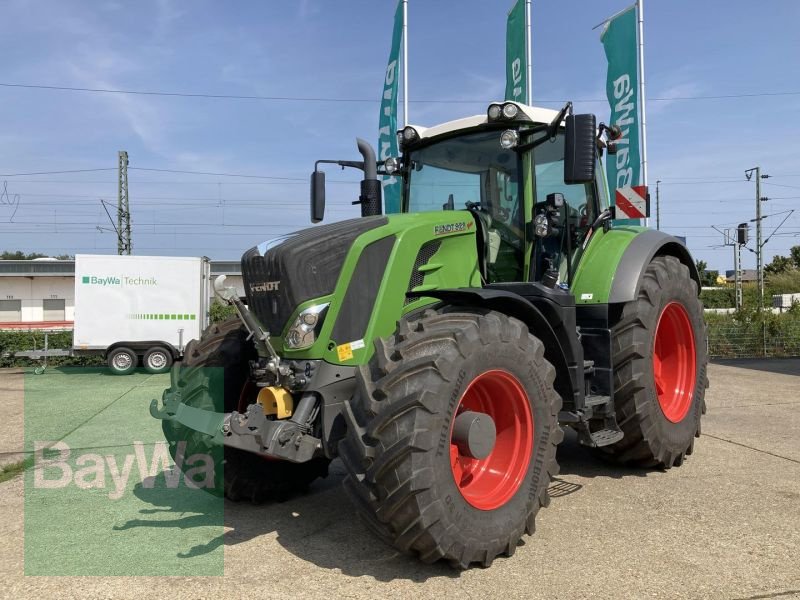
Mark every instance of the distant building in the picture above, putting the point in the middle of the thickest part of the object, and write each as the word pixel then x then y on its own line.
pixel 748 276
pixel 40 294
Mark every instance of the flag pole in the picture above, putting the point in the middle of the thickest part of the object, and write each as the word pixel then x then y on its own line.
pixel 640 15
pixel 405 62
pixel 529 52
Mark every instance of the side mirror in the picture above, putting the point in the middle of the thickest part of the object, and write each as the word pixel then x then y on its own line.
pixel 579 149
pixel 317 196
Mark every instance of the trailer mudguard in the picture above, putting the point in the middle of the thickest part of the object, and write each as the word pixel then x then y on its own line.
pixel 614 262
pixel 516 306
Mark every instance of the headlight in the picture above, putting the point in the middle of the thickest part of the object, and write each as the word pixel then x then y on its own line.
pixel 509 139
pixel 541 225
pixel 495 110
pixel 510 110
pixel 409 134
pixel 303 332
pixel 391 165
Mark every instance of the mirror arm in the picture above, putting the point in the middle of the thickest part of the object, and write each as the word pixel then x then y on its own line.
pixel 356 164
pixel 552 128
pixel 534 143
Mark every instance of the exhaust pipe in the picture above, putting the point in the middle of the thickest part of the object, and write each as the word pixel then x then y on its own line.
pixel 370 198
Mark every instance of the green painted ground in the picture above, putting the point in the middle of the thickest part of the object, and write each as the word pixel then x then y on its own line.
pixel 92 503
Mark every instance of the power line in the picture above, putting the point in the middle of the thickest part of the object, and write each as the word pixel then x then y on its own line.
pixel 361 100
pixel 57 172
pixel 219 174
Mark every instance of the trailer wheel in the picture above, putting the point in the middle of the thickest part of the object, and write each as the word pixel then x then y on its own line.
pixel 157 360
pixel 451 436
pixel 122 361
pixel 659 347
pixel 213 375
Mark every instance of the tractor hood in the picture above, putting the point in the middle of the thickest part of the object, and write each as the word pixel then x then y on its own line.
pixel 361 269
pixel 283 272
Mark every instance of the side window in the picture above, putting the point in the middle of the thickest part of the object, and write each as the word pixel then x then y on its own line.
pixel 560 253
pixel 549 179
pixel 432 187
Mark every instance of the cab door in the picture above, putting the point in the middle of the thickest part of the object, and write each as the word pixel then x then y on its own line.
pixel 559 253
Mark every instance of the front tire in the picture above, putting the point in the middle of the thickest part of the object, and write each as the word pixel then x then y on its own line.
pixel 413 485
pixel 660 362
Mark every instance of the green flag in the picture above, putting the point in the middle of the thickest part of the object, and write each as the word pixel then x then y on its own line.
pixel 387 124
pixel 622 85
pixel 516 57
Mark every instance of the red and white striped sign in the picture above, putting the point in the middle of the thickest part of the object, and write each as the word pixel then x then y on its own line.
pixel 632 202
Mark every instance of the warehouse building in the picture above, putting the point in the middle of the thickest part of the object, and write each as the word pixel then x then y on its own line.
pixel 40 293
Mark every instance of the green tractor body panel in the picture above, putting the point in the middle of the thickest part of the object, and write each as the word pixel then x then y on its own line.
pixel 595 273
pixel 418 252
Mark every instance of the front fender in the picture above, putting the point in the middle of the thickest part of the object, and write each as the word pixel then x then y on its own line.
pixel 518 307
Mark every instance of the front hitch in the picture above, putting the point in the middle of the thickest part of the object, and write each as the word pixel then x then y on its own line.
pixel 202 421
pixel 284 439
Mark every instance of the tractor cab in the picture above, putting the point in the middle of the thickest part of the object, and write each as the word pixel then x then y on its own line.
pixel 511 171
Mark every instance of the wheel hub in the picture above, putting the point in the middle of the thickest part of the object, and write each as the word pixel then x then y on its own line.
pixel 674 362
pixel 491 440
pixel 474 434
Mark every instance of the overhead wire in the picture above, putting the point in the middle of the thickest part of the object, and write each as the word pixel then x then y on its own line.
pixel 377 100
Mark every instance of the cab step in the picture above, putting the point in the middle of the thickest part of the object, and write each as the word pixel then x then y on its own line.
pixel 595 401
pixel 602 437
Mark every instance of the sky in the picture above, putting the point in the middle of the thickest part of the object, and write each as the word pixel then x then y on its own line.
pixel 698 148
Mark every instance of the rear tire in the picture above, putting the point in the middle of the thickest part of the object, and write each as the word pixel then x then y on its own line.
pixel 122 361
pixel 409 483
pixel 224 351
pixel 660 362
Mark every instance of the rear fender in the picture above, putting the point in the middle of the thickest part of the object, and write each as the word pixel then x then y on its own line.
pixel 641 251
pixel 612 267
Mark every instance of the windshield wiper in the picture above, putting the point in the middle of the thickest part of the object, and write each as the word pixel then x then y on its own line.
pixel 551 129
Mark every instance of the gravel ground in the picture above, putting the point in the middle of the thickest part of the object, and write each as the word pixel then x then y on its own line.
pixel 724 525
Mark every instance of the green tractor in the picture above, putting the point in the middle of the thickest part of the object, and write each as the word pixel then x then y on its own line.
pixel 440 352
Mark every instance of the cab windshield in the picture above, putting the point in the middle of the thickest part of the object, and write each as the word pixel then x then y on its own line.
pixel 471 168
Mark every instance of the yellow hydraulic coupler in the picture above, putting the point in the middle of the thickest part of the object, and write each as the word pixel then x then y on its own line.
pixel 276 401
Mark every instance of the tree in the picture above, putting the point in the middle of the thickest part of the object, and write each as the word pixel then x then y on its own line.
pixel 779 264
pixel 708 278
pixel 794 253
pixel 19 255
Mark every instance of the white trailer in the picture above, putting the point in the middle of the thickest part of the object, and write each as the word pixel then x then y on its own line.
pixel 139 309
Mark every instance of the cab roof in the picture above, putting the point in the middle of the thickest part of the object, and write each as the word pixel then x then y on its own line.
pixel 534 113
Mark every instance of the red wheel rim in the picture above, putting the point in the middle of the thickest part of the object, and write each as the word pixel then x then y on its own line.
pixel 674 362
pixel 489 483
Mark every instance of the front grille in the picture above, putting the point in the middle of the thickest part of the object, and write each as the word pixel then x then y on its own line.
pixel 298 267
pixel 425 253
